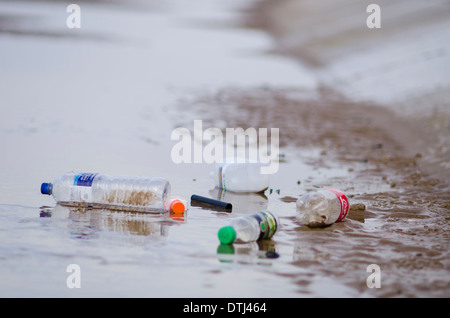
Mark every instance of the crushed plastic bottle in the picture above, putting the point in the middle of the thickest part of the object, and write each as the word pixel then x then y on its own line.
pixel 322 208
pixel 240 177
pixel 259 226
pixel 143 194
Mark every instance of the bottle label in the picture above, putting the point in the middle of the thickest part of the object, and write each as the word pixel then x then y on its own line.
pixel 80 194
pixel 84 179
pixel 81 190
pixel 267 224
pixel 221 176
pixel 344 203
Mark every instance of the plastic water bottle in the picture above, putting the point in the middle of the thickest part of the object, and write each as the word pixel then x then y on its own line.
pixel 145 194
pixel 259 226
pixel 241 177
pixel 322 208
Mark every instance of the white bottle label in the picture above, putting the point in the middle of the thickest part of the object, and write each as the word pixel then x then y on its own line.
pixel 81 190
pixel 80 194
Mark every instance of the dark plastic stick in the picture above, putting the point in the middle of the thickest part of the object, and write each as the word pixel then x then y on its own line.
pixel 216 203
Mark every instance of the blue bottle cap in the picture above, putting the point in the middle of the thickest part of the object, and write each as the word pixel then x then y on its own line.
pixel 46 188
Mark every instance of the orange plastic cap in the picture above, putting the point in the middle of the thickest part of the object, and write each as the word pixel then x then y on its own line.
pixel 177 206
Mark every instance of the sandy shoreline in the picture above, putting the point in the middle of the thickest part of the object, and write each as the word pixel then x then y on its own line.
pixel 408 209
pixel 403 148
pixel 399 66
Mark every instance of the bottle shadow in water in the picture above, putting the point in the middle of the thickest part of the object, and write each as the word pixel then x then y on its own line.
pixel 242 202
pixel 260 253
pixel 87 223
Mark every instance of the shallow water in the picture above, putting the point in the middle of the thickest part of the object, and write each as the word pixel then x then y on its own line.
pixel 106 97
pixel 101 98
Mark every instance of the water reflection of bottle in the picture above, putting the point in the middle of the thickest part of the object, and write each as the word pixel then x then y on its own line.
pixel 90 222
pixel 146 194
pixel 250 252
pixel 242 202
pixel 259 226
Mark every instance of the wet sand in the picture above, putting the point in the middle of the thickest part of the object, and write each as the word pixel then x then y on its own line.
pixel 227 75
pixel 400 66
pixel 394 141
pixel 399 214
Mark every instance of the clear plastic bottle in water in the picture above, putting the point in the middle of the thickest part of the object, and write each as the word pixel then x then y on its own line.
pixel 143 194
pixel 322 208
pixel 259 226
pixel 241 177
